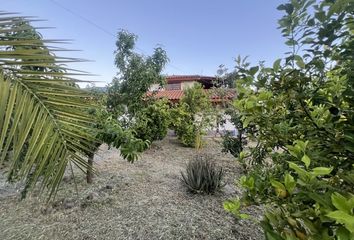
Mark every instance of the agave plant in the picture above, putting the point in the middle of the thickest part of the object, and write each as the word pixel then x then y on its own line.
pixel 44 123
pixel 202 175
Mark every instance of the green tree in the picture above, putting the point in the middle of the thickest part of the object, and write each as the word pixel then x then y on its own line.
pixel 136 73
pixel 151 122
pixel 46 120
pixel 299 112
pixel 107 129
pixel 191 118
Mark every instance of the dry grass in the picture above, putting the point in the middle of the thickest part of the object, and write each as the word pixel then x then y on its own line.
pixel 144 200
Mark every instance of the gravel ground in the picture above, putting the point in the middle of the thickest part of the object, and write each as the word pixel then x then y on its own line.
pixel 144 200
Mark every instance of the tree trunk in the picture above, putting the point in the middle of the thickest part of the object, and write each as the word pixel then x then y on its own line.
pixel 89 173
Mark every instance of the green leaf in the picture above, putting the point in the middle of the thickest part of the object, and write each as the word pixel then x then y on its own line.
pixel 341 203
pixel 246 121
pixel 250 183
pixel 304 175
pixel 305 159
pixel 320 171
pixel 343 218
pixel 293 151
pixel 344 234
pixel 311 22
pixel 247 182
pixel 277 184
pixel 308 40
pixel 321 16
pixel 280 189
pixel 254 70
pixel 232 206
pixel 276 65
pixel 299 62
pixel 244 216
pixel 291 42
pixel 289 183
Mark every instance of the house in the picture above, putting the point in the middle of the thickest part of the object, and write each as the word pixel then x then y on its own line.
pixel 176 84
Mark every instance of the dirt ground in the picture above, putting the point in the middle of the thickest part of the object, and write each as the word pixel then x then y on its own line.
pixel 144 200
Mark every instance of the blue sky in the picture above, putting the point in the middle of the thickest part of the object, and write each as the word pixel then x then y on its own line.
pixel 197 35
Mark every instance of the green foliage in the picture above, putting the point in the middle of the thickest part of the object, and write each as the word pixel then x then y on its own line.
pixel 234 206
pixel 136 74
pixel 202 175
pixel 192 116
pixel 232 144
pixel 151 122
pixel 110 131
pixel 196 99
pixel 44 123
pixel 299 112
pixel 182 122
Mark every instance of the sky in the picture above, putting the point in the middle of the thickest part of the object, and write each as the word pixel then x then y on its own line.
pixel 198 35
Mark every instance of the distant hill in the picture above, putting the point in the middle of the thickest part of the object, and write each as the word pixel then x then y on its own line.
pixel 97 89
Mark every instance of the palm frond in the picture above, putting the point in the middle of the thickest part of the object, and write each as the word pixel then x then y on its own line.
pixel 44 122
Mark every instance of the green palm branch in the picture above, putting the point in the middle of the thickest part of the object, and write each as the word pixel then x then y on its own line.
pixel 44 124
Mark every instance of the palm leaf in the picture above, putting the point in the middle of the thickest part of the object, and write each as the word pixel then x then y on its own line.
pixel 44 123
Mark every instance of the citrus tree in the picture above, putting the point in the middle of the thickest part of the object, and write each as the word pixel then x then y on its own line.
pixel 299 112
pixel 192 116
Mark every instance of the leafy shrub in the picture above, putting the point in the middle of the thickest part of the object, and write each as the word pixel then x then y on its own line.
pixel 187 134
pixel 202 176
pixel 111 132
pixel 192 116
pixel 232 144
pixel 152 121
pixel 182 122
pixel 300 115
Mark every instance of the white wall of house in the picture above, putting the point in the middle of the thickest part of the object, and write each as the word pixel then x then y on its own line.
pixel 183 85
pixel 228 126
pixel 187 84
pixel 154 87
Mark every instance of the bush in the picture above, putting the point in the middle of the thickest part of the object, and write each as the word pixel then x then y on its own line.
pixel 152 121
pixel 192 116
pixel 183 124
pixel 300 112
pixel 232 144
pixel 202 176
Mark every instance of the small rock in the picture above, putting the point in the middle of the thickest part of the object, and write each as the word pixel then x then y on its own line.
pixel 47 210
pixel 68 203
pixel 92 196
pixel 58 203
pixel 85 205
pixel 109 186
pixel 229 189
pixel 66 179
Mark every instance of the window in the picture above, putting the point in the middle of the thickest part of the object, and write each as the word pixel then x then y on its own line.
pixel 173 86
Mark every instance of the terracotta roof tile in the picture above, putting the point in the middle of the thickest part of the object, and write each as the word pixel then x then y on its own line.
pixel 176 95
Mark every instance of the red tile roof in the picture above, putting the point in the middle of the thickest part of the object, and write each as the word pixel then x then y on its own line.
pixel 169 94
pixel 182 78
pixel 176 95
